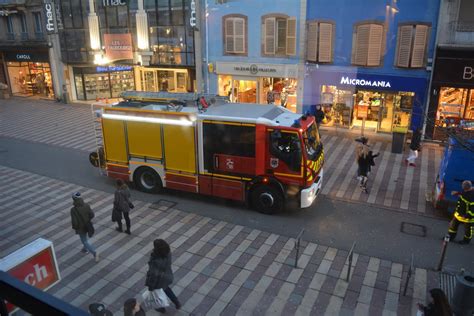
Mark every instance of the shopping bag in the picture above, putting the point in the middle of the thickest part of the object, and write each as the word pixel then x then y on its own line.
pixel 155 299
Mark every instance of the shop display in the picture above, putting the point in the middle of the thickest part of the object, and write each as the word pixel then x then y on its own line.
pixel 31 78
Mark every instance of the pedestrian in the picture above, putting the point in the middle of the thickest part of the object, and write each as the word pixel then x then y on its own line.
pixel 365 161
pixel 464 213
pixel 132 307
pixel 270 96
pixel 160 274
pixel 283 97
pixel 439 306
pixel 99 309
pixel 81 216
pixel 318 114
pixel 122 206
pixel 414 147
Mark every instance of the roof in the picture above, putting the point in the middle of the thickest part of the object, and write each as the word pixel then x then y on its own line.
pixel 267 114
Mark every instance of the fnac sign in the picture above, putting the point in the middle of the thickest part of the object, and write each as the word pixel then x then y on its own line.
pixel 34 264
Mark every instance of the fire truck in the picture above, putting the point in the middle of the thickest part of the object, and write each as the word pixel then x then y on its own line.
pixel 258 154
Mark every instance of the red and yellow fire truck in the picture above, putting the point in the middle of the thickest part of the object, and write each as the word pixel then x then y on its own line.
pixel 260 154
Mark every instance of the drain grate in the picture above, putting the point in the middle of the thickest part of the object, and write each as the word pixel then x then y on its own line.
pixel 447 282
pixel 163 205
pixel 413 229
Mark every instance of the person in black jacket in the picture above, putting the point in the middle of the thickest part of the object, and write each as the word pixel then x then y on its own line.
pixel 160 274
pixel 365 162
pixel 464 213
pixel 132 307
pixel 81 216
pixel 122 205
pixel 414 147
pixel 318 114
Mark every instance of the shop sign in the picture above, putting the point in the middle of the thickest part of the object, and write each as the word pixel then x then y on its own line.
pixel 34 264
pixel 192 19
pixel 113 3
pixel 113 68
pixel 48 7
pixel 260 70
pixel 118 46
pixel 27 56
pixel 362 111
pixel 365 83
pixel 454 71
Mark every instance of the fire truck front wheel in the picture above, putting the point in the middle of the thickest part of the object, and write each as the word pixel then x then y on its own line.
pixel 267 199
pixel 147 180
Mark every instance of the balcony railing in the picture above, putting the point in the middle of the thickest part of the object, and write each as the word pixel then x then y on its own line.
pixel 24 36
pixel 12 2
pixel 10 36
pixel 39 36
pixel 457 33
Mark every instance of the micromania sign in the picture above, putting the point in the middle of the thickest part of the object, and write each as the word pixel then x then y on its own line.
pixel 365 83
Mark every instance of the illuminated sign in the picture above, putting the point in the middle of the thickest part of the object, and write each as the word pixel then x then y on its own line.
pixel 113 3
pixel 48 7
pixel 363 82
pixel 34 264
pixel 192 19
pixel 113 68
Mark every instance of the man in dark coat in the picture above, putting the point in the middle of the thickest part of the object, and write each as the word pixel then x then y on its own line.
pixel 81 216
pixel 318 114
pixel 464 213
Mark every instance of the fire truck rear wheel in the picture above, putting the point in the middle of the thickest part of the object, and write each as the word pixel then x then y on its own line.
pixel 267 199
pixel 147 180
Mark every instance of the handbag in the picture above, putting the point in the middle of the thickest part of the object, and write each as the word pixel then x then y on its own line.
pixel 130 204
pixel 90 229
pixel 155 299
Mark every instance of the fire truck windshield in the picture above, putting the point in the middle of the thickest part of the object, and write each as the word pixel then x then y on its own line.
pixel 312 141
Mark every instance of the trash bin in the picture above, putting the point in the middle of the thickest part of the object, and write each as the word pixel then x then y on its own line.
pixel 398 141
pixel 463 298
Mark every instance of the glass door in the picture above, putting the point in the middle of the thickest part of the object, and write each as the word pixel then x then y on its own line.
pixel 386 113
pixel 149 80
pixel 245 91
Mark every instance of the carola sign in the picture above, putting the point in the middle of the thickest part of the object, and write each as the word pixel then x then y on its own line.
pixel 34 264
pixel 363 82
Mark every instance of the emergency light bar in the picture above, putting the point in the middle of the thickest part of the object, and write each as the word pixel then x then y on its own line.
pixel 131 118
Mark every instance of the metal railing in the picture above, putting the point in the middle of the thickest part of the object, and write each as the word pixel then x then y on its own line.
pixel 410 272
pixel 456 32
pixel 297 246
pixel 350 256
pixel 33 300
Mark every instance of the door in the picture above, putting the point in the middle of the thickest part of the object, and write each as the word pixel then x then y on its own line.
pixel 244 90
pixel 149 80
pixel 386 113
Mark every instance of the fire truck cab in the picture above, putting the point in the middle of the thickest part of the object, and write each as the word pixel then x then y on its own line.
pixel 258 154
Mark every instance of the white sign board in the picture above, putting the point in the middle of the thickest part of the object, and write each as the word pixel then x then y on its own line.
pixel 257 70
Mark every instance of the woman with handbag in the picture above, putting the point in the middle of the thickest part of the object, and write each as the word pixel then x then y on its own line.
pixel 160 274
pixel 122 206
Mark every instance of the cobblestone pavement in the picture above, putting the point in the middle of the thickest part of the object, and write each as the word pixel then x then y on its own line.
pixel 220 268
pixel 391 184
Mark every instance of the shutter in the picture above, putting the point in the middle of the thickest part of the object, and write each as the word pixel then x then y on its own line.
pixel 374 52
pixel 404 45
pixel 229 35
pixel 239 35
pixel 291 36
pixel 269 36
pixel 325 42
pixel 312 42
pixel 361 44
pixel 419 46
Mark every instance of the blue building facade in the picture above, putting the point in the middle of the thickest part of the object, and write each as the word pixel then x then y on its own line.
pixel 253 50
pixel 366 60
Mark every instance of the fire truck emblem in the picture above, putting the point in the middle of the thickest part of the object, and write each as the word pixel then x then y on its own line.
pixel 229 164
pixel 274 162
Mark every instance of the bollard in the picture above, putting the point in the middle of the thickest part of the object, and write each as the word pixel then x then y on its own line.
pixel 351 254
pixel 410 271
pixel 297 246
pixel 443 252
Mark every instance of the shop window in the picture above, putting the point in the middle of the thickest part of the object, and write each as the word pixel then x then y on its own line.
pixel 368 44
pixel 412 45
pixel 465 16
pixel 319 41
pixel 279 35
pixel 235 30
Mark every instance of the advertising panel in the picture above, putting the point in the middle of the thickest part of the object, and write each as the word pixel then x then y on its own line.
pixel 118 46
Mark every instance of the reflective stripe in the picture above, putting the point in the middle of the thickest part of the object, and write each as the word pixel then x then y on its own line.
pixel 450 230
pixel 460 218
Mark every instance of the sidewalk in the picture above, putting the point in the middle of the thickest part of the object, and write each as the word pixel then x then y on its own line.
pixel 391 184
pixel 220 268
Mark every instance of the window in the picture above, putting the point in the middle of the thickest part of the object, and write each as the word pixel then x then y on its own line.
pixel 368 44
pixel 465 16
pixel 24 28
pixel 287 147
pixel 412 43
pixel 9 24
pixel 235 30
pixel 38 25
pixel 319 43
pixel 279 35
